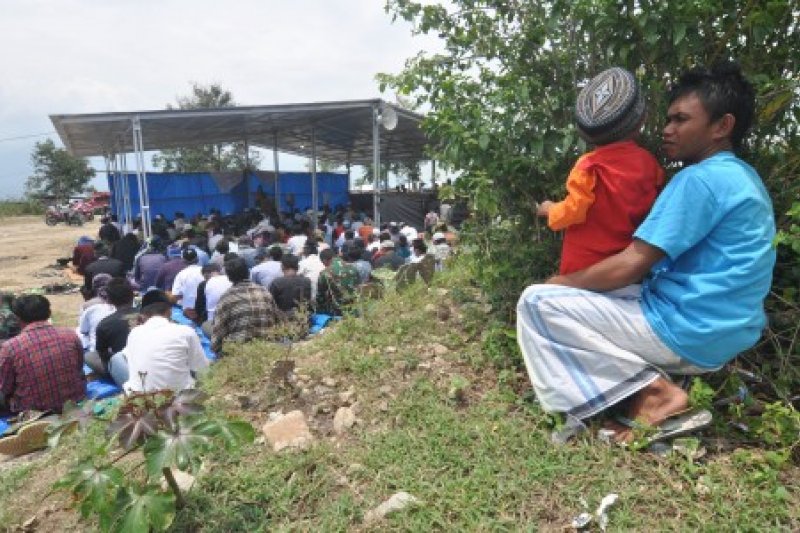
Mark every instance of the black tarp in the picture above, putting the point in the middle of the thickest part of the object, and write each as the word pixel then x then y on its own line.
pixel 408 207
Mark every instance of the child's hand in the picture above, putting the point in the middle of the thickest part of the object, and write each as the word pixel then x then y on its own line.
pixel 543 209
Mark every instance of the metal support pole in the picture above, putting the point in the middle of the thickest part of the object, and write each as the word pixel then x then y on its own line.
pixel 144 200
pixel 247 196
pixel 111 174
pixel 376 165
pixel 314 202
pixel 277 178
pixel 433 173
pixel 125 190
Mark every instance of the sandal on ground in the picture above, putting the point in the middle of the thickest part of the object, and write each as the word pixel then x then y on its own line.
pixel 29 438
pixel 677 425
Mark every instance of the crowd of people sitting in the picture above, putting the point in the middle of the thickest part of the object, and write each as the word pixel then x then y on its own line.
pixel 228 278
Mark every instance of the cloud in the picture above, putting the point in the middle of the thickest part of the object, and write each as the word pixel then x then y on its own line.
pixel 84 56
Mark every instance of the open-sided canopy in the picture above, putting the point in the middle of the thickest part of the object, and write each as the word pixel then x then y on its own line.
pixel 343 130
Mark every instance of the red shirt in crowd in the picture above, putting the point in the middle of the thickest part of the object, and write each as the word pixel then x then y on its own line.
pixel 609 193
pixel 41 368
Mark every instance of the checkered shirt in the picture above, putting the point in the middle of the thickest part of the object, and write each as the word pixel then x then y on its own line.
pixel 244 312
pixel 42 368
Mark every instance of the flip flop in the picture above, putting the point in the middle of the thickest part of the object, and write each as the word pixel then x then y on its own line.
pixel 29 438
pixel 677 425
pixel 682 425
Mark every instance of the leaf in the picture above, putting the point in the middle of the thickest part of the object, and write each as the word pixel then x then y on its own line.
pixel 93 486
pixel 233 433
pixel 181 449
pixel 679 33
pixel 133 428
pixel 187 402
pixel 148 510
pixel 483 141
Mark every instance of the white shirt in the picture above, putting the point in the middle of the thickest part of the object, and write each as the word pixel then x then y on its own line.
pixel 410 233
pixel 266 272
pixel 163 354
pixel 185 285
pixel 215 288
pixel 311 267
pixel 87 324
pixel 296 244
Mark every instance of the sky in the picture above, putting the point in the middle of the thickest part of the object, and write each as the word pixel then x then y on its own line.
pixel 91 56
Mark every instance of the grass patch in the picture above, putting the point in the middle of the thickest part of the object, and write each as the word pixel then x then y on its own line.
pixel 15 208
pixel 454 426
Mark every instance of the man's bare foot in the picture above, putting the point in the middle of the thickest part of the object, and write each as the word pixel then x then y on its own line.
pixel 651 406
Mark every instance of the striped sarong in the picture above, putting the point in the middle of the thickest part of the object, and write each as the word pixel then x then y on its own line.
pixel 586 351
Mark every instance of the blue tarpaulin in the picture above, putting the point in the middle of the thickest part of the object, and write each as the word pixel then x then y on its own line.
pixel 199 192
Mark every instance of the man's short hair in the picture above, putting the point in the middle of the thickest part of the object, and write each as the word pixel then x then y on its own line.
pixel 157 309
pixel 290 262
pixel 119 292
pixel 236 269
pixel 154 296
pixel 189 255
pixel 310 247
pixel 100 248
pixel 31 308
pixel 419 245
pixel 210 267
pixel 353 254
pixel 326 255
pixel 275 253
pixel 722 89
pixel 223 247
pixel 349 235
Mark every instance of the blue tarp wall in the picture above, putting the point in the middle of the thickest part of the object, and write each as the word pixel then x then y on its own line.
pixel 199 192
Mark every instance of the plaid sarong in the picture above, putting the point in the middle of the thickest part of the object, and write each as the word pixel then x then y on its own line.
pixel 586 351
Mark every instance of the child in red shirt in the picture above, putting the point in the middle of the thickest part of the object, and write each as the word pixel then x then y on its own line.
pixel 611 189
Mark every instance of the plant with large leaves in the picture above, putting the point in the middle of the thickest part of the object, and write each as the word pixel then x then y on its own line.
pixel 171 431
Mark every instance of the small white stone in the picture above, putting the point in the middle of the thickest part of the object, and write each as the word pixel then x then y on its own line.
pixel 343 420
pixel 396 502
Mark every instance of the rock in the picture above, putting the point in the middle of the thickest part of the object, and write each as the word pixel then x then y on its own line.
pixel 322 390
pixel 248 402
pixel 439 349
pixel 343 420
pixel 385 390
pixel 442 292
pixel 383 406
pixel 443 313
pixel 30 524
pixel 430 308
pixel 396 502
pixel 321 408
pixel 347 396
pixel 329 382
pixel 355 468
pixel 372 351
pixel 288 431
pixel 184 480
pixel 390 349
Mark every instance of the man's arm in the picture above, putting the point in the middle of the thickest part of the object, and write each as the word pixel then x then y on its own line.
pixel 620 270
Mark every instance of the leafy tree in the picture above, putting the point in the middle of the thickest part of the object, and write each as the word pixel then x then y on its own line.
pixel 211 157
pixel 57 173
pixel 500 98
pixel 500 95
pixel 325 165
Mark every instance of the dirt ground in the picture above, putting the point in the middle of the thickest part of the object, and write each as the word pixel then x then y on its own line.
pixel 28 253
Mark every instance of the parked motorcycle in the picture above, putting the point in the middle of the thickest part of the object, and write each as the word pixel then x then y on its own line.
pixel 69 216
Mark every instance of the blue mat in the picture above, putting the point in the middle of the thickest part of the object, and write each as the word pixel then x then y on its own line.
pixel 205 342
pixel 4 425
pixel 319 321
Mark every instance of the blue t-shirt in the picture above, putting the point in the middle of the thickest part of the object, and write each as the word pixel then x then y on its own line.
pixel 705 300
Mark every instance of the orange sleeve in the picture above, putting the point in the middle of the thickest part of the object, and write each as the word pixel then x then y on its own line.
pixel 580 197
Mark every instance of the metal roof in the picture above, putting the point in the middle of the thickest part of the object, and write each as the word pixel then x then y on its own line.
pixel 343 130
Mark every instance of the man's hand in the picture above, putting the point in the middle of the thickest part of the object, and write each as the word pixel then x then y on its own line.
pixel 620 270
pixel 543 209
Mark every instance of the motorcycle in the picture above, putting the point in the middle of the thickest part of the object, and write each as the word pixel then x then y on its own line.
pixel 69 216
